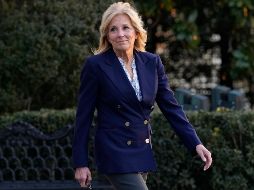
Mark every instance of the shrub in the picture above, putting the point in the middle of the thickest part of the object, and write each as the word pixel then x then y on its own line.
pixel 229 136
pixel 43 44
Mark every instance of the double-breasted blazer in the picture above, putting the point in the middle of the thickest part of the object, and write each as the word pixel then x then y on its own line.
pixel 122 137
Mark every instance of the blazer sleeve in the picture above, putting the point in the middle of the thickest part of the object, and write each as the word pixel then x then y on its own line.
pixel 173 111
pixel 84 115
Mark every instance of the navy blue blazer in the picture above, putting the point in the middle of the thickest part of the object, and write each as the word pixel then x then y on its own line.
pixel 122 138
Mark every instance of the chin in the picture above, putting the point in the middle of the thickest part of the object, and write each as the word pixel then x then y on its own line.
pixel 122 48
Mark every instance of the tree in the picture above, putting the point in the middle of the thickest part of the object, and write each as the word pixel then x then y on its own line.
pixel 43 44
pixel 189 26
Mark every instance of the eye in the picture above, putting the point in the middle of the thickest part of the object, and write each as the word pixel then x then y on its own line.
pixel 126 27
pixel 113 29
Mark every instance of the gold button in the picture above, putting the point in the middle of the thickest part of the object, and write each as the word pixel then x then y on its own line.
pixel 127 124
pixel 147 141
pixel 145 122
pixel 129 142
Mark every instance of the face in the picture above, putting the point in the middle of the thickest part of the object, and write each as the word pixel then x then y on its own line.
pixel 121 34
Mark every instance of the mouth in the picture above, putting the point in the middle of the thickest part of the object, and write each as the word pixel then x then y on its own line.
pixel 123 41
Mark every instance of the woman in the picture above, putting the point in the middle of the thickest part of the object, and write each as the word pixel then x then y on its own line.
pixel 123 81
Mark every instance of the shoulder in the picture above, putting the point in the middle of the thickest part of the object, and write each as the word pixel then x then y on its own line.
pixel 101 58
pixel 151 58
pixel 93 61
pixel 147 55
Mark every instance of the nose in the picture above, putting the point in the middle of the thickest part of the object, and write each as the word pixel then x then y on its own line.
pixel 120 33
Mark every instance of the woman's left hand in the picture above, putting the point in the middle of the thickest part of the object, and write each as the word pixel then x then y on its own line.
pixel 205 155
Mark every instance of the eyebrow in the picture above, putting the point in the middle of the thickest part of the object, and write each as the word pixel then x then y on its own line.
pixel 121 25
pixel 125 24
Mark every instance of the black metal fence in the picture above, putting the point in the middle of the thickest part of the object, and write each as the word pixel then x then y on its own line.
pixel 30 159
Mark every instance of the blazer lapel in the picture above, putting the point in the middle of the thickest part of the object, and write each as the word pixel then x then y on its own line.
pixel 146 74
pixel 117 75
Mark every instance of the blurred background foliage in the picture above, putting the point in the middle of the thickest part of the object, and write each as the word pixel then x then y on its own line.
pixel 189 30
pixel 43 45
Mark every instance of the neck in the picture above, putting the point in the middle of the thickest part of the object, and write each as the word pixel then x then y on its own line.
pixel 127 56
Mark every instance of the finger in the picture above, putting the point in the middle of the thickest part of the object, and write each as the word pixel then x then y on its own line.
pixel 202 156
pixel 208 162
pixel 89 178
pixel 82 177
pixel 83 184
pixel 207 165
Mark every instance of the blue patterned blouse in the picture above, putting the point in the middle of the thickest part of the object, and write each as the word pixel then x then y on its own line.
pixel 134 81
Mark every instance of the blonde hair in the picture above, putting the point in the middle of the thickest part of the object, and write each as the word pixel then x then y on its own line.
pixel 136 21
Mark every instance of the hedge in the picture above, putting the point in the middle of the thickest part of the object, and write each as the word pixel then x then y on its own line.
pixel 43 45
pixel 229 135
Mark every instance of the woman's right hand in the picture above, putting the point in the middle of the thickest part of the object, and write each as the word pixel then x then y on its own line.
pixel 83 176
